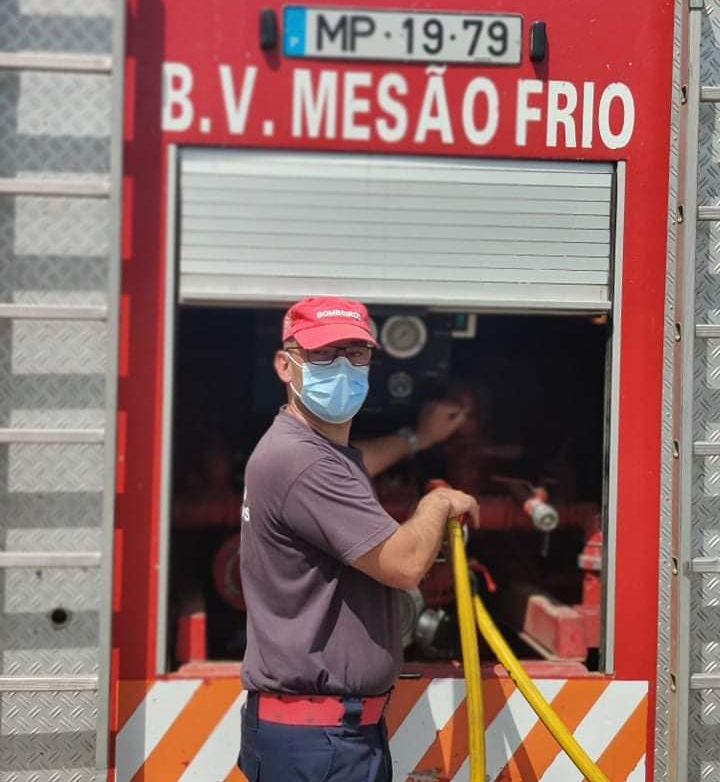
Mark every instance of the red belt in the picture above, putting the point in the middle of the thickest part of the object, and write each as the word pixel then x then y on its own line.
pixel 321 710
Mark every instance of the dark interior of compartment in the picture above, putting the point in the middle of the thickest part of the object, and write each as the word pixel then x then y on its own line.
pixel 535 387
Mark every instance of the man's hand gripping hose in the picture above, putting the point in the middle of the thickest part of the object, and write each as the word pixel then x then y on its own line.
pixel 472 610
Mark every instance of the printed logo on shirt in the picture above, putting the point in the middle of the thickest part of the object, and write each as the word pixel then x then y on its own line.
pixel 245 507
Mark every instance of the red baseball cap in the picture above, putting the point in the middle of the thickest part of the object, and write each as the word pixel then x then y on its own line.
pixel 319 321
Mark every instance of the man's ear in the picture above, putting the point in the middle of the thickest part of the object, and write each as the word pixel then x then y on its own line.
pixel 281 362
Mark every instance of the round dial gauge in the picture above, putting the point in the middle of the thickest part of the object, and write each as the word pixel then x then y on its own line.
pixel 400 385
pixel 403 336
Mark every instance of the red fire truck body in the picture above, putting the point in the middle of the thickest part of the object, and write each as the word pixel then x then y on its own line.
pixel 197 77
pixel 525 195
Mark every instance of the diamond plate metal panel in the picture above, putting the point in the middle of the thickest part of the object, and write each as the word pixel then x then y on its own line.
pixel 708 149
pixel 87 8
pixel 712 475
pixel 55 154
pixel 662 706
pixel 61 226
pixel 58 539
pixel 713 363
pixel 7 237
pixel 40 153
pixel 710 44
pixel 66 774
pixel 49 347
pixel 711 656
pixel 64 298
pixel 710 710
pixel 52 251
pixel 9 93
pixel 75 279
pixel 33 32
pixel 45 589
pixel 49 391
pixel 71 509
pixel 703 739
pixel 710 589
pixel 46 712
pixel 711 467
pixel 48 758
pixel 708 234
pixel 704 716
pixel 58 419
pixel 55 468
pixel 35 641
pixel 34 645
pixel 33 661
pixel 64 104
pixel 710 772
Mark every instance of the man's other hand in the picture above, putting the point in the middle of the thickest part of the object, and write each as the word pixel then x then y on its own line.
pixel 439 420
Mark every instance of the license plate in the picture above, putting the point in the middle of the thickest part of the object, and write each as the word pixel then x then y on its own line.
pixel 405 36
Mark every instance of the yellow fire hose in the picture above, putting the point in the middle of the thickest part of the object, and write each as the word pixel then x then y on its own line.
pixel 471 661
pixel 470 652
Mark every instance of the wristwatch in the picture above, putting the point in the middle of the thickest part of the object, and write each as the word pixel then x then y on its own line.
pixel 409 434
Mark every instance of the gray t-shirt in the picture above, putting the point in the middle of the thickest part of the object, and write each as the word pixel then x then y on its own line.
pixel 314 624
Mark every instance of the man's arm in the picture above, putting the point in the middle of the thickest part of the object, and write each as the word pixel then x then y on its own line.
pixel 404 558
pixel 437 421
pixel 382 452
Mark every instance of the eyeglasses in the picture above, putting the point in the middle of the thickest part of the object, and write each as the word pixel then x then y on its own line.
pixel 357 355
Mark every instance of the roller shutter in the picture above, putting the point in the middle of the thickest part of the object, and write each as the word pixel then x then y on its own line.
pixel 273 226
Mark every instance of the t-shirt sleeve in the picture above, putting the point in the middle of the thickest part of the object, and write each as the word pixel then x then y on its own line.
pixel 334 509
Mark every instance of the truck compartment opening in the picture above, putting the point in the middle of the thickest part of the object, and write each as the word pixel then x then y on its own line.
pixel 533 451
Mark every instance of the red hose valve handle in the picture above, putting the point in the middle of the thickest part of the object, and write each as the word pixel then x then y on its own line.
pixel 482 570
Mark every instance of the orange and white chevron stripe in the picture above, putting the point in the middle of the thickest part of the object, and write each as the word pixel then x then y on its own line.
pixel 188 730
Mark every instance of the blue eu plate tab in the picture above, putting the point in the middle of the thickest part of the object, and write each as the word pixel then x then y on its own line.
pixel 294 22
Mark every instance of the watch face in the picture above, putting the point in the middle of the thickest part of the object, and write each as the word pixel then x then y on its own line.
pixel 403 336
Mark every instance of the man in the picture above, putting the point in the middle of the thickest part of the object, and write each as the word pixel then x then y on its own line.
pixel 320 563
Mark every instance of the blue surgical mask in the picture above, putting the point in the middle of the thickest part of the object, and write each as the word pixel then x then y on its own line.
pixel 333 393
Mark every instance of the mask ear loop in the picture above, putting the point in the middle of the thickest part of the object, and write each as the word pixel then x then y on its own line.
pixel 297 364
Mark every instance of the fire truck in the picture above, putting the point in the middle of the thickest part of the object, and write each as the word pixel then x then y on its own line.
pixel 525 194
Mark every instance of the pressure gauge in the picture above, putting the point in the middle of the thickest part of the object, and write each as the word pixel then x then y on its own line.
pixel 403 336
pixel 400 385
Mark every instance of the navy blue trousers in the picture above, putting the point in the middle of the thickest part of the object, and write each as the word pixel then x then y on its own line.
pixel 297 753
